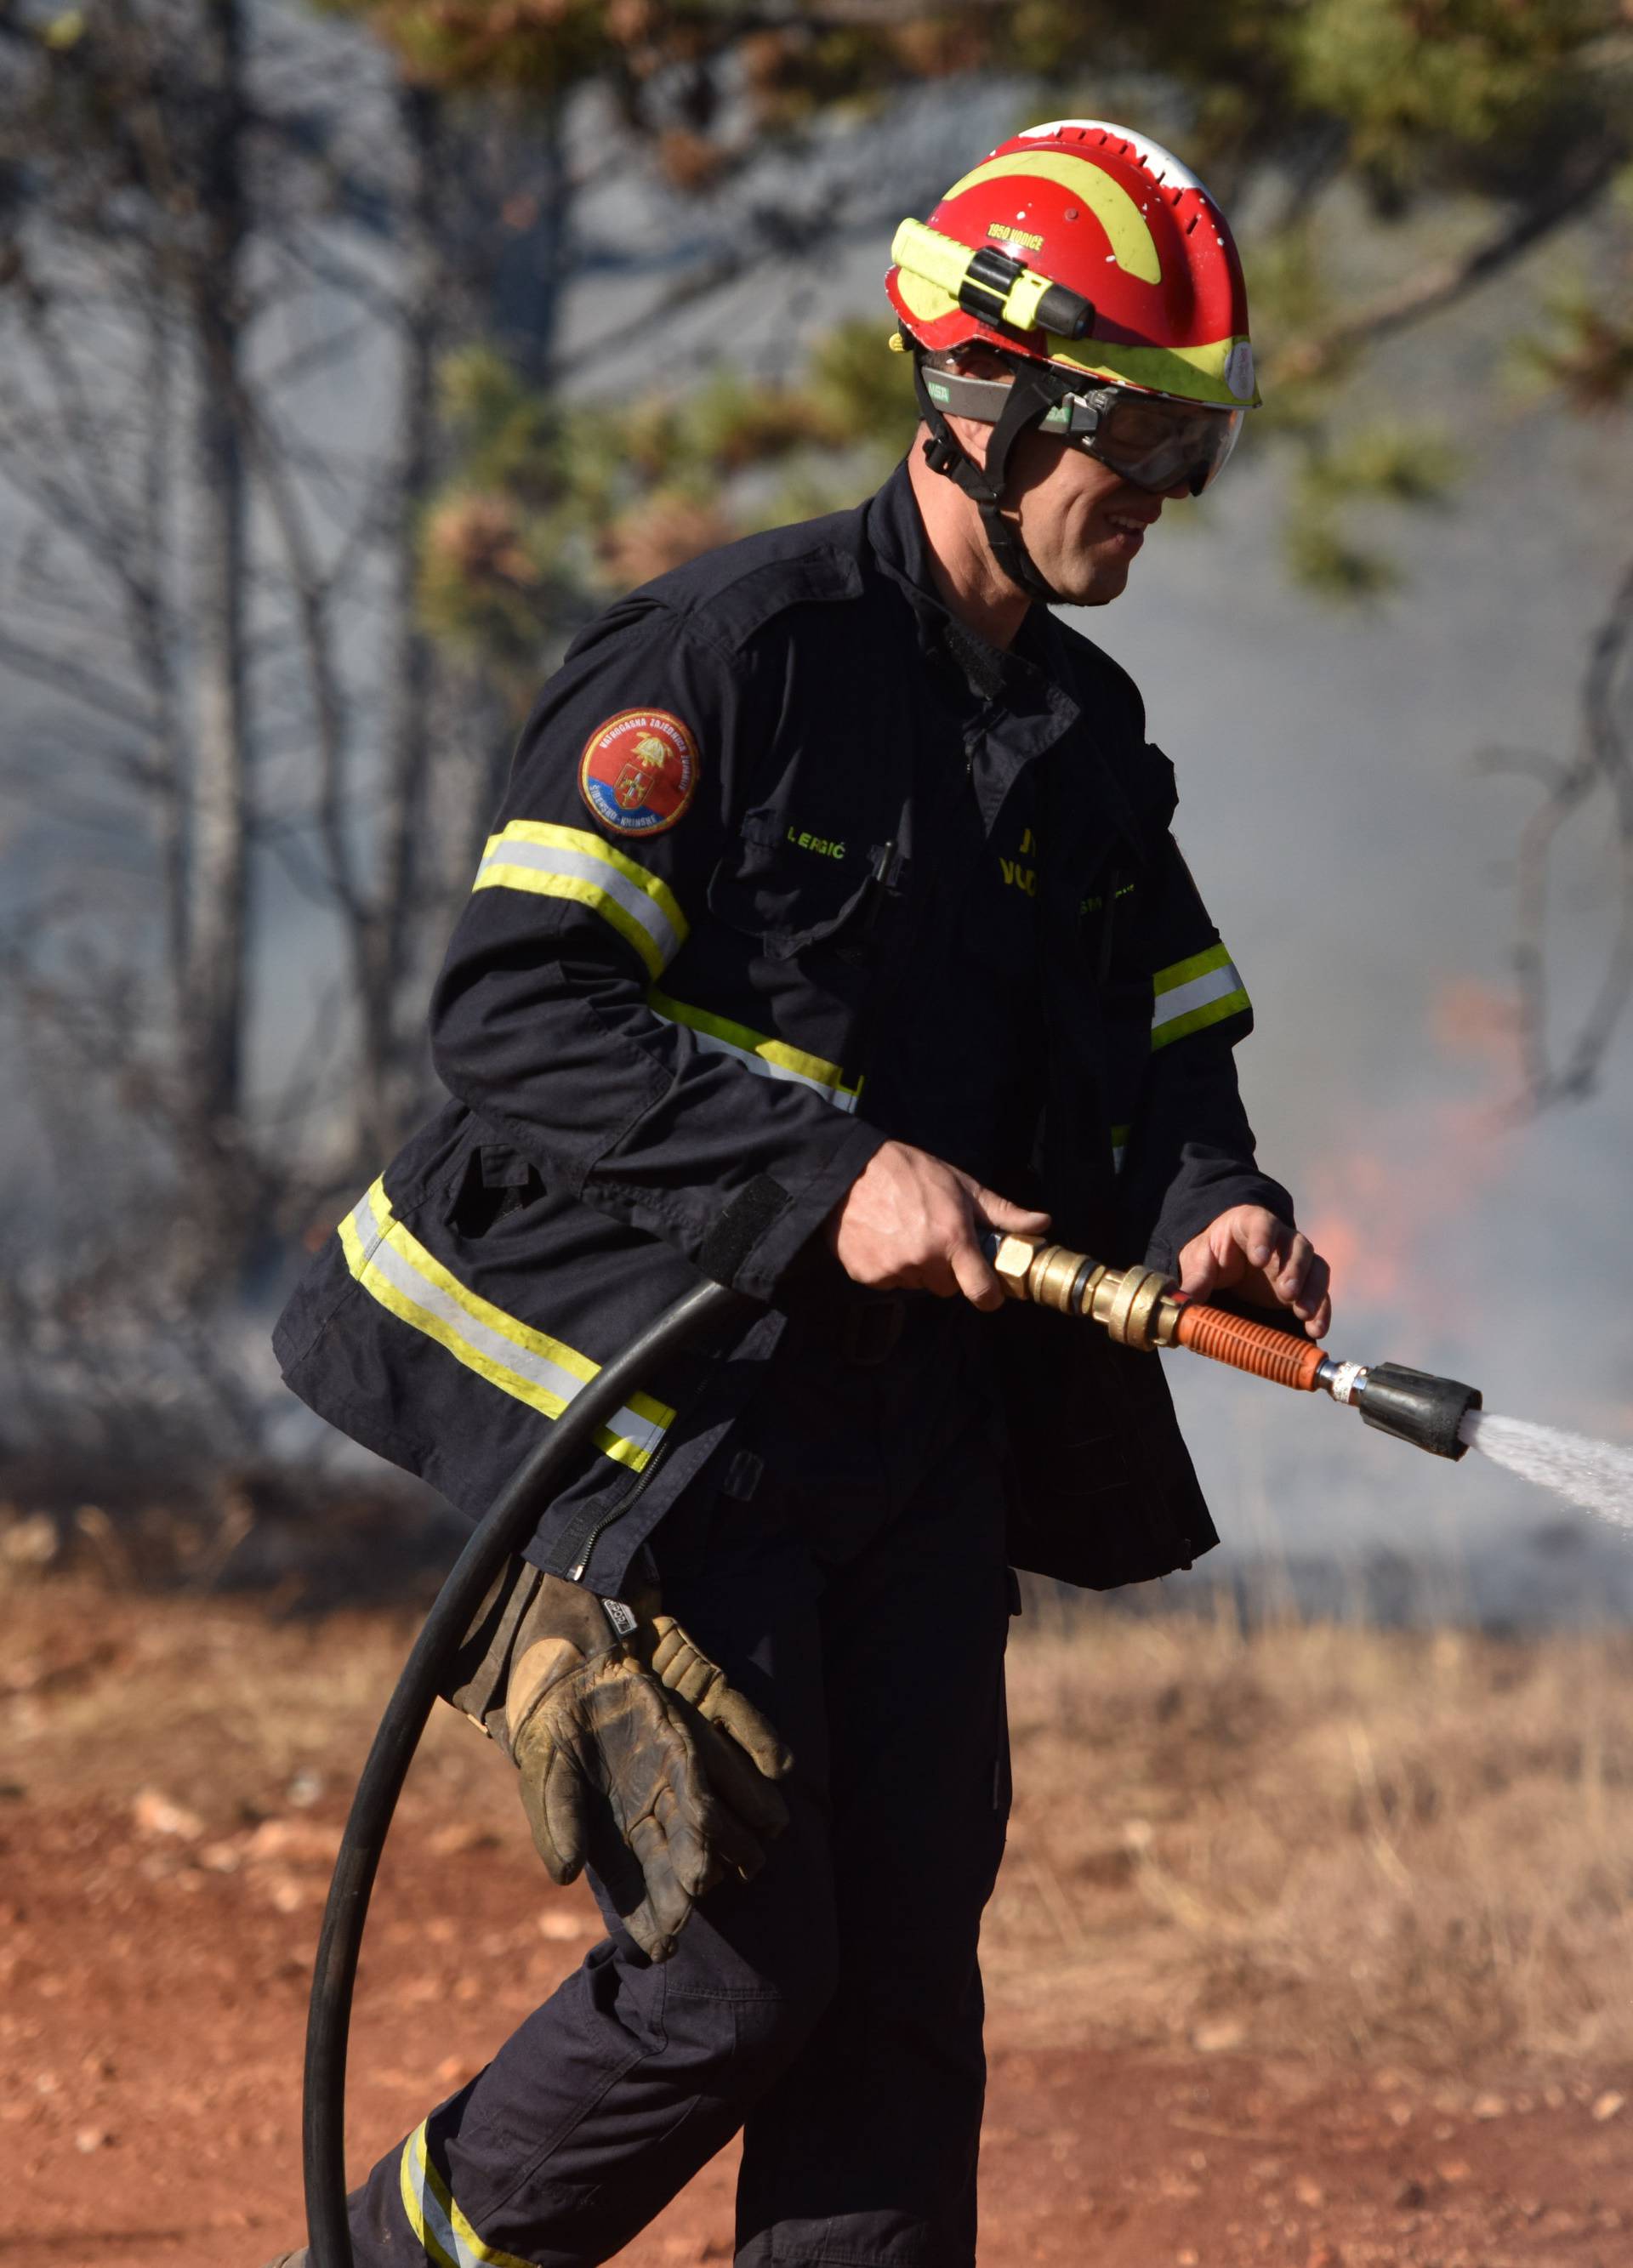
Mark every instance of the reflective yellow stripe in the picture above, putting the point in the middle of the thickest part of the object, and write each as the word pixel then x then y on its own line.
pixel 566 862
pixel 1127 231
pixel 396 1269
pixel 1193 374
pixel 443 2232
pixel 771 1058
pixel 1193 993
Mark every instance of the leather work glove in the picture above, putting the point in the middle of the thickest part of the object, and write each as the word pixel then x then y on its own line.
pixel 636 1755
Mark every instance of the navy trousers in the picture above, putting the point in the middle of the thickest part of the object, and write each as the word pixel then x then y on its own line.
pixel 831 2008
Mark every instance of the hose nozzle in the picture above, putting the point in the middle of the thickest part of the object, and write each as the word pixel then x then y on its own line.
pixel 1414 1405
pixel 1140 1308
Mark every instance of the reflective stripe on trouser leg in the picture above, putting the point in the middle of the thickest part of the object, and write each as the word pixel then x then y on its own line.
pixel 444 2233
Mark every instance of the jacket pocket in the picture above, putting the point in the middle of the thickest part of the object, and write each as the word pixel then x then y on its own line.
pixel 790 896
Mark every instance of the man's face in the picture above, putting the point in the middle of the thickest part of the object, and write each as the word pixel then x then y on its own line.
pixel 1083 523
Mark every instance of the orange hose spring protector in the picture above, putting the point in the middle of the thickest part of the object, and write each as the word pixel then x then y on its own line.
pixel 1256 1347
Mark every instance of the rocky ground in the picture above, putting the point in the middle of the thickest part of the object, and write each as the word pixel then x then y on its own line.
pixel 1194 2063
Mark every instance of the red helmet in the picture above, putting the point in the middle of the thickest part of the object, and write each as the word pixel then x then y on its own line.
pixel 1103 274
pixel 1147 286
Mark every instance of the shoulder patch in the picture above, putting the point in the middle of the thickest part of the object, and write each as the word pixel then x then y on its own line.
pixel 638 771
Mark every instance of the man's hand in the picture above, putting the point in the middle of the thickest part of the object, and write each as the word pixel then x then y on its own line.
pixel 1248 1251
pixel 909 1223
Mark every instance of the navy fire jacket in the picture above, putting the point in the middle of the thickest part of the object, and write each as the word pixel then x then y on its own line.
pixel 790 863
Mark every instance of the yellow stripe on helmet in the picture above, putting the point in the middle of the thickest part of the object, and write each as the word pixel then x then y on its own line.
pixel 1127 232
pixel 1190 373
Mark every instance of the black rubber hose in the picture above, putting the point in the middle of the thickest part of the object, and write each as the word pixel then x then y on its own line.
pixel 507 1524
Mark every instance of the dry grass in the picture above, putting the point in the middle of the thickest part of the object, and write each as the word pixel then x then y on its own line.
pixel 1412 1847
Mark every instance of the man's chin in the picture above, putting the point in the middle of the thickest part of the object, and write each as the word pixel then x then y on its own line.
pixel 1095 586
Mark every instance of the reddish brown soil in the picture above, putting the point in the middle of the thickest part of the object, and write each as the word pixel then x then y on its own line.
pixel 152 2025
pixel 155 1948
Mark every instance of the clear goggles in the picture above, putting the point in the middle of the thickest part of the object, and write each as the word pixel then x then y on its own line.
pixel 1153 440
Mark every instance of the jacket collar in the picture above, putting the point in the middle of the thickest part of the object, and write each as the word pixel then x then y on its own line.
pixel 1028 708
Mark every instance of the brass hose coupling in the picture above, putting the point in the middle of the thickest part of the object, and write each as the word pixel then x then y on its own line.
pixel 1136 1306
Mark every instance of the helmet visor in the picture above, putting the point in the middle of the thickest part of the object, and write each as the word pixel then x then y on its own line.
pixel 1151 439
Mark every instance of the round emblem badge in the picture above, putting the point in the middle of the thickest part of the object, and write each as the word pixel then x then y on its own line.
pixel 638 771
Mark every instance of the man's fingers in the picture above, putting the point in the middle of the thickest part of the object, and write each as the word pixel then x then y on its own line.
pixel 998 1212
pixel 973 1275
pixel 1287 1278
pixel 1314 1303
pixel 1261 1235
pixel 1201 1268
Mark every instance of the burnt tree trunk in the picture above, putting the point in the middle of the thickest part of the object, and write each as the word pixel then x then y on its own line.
pixel 390 934
pixel 216 887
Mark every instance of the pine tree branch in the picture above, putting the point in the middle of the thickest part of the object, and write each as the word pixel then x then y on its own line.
pixel 1432 289
pixel 1604 761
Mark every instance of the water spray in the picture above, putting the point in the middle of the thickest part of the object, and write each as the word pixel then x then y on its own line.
pixel 1140 1308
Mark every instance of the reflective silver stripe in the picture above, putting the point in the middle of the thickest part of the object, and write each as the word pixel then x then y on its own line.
pixel 603 879
pixel 1191 994
pixel 444 2234
pixel 710 1043
pixel 500 1355
pixel 1200 992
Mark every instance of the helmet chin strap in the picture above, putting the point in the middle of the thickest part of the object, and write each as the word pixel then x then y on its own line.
pixel 1031 398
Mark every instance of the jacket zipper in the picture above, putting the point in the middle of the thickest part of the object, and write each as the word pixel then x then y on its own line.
pixel 1113 885
pixel 575 1574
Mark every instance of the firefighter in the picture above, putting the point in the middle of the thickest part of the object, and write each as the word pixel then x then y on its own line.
pixel 831 918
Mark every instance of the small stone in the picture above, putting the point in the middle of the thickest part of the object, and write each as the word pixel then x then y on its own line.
pixel 91 2138
pixel 1489 2106
pixel 155 1813
pixel 459 1837
pixel 1187 2258
pixel 296 1840
pixel 1400 2114
pixel 1452 2171
pixel 1411 2196
pixel 1309 2194
pixel 1219 2037
pixel 1607 2105
pixel 554 1922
